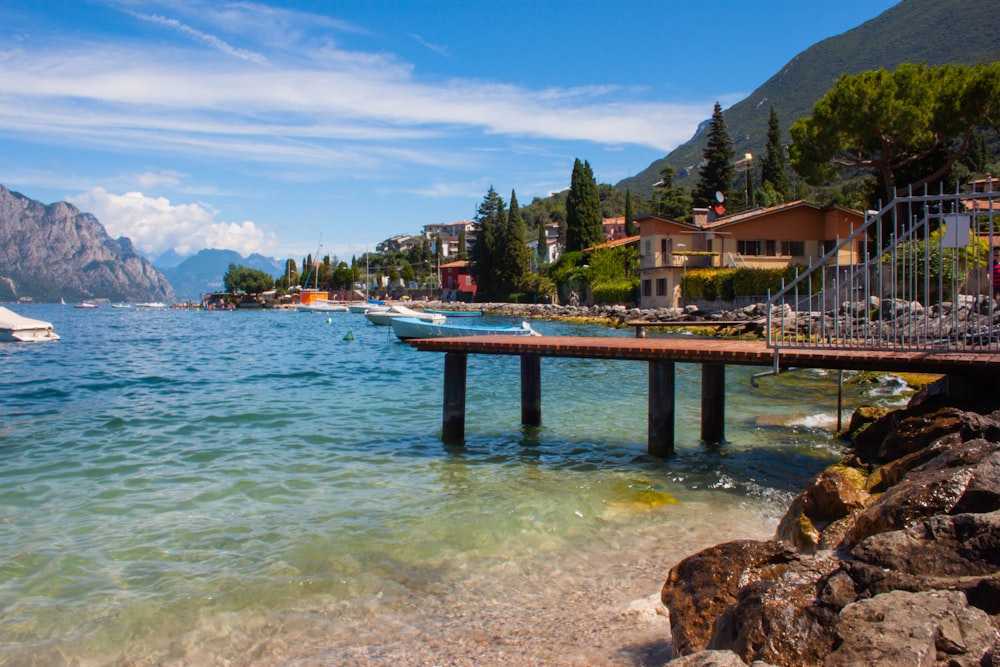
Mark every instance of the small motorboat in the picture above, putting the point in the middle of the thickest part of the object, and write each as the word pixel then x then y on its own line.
pixel 456 313
pixel 406 328
pixel 16 328
pixel 86 305
pixel 384 318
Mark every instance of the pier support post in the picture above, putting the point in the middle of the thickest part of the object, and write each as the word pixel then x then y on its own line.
pixel 531 389
pixel 453 422
pixel 660 436
pixel 713 402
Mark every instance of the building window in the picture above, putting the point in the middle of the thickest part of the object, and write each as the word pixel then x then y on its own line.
pixel 661 287
pixel 793 248
pixel 647 287
pixel 772 248
pixel 748 247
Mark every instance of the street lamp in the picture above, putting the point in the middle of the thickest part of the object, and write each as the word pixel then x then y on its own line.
pixel 747 158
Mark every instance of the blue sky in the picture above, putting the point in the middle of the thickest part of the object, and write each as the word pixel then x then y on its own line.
pixel 281 127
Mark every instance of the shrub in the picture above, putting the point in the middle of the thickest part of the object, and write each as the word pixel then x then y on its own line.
pixel 612 292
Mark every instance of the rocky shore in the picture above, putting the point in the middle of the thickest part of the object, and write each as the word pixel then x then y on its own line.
pixel 890 557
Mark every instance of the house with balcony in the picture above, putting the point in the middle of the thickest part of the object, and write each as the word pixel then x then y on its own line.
pixel 790 234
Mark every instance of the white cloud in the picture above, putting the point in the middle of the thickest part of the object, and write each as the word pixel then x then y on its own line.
pixel 155 225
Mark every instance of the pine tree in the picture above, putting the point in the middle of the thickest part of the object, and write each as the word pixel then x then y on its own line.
pixel 629 223
pixel 462 252
pixel 584 222
pixel 491 218
pixel 717 172
pixel 772 168
pixel 672 201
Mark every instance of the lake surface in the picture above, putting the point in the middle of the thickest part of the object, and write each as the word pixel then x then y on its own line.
pixel 187 486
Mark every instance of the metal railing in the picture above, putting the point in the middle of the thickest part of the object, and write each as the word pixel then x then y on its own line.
pixel 921 282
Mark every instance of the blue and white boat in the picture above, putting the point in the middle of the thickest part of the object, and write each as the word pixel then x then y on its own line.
pixel 406 328
pixel 456 313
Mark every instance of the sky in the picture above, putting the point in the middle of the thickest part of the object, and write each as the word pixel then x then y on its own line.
pixel 297 127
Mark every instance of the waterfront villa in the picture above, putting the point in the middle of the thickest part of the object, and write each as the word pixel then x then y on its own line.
pixel 457 283
pixel 789 234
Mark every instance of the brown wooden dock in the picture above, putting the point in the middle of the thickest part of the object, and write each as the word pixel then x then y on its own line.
pixel 661 354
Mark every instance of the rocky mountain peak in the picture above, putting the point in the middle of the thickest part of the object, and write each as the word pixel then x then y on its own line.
pixel 54 251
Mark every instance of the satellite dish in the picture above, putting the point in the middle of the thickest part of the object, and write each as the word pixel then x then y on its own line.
pixel 719 197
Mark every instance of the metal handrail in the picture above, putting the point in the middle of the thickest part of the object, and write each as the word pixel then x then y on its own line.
pixel 926 287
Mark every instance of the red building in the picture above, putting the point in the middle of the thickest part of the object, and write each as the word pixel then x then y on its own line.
pixel 456 282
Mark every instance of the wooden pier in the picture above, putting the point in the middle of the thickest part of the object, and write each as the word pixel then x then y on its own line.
pixel 661 355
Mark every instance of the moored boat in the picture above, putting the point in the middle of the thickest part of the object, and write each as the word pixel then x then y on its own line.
pixel 86 305
pixel 456 313
pixel 406 328
pixel 322 306
pixel 385 317
pixel 17 328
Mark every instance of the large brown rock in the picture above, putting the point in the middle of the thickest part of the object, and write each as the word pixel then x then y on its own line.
pixel 835 493
pixel 703 586
pixel 780 619
pixel 960 552
pixel 906 629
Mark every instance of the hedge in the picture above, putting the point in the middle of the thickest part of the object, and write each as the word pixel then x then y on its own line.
pixel 727 284
pixel 618 291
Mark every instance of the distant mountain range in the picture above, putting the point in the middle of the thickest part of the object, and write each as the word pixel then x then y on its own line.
pixel 202 273
pixel 934 32
pixel 52 252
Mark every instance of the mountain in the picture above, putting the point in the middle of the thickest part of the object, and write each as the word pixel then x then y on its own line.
pixel 202 273
pixel 48 252
pixel 934 32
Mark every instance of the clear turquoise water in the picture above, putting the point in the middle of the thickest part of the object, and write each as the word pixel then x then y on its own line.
pixel 182 479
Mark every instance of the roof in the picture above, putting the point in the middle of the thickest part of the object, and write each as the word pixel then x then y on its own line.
pixel 617 242
pixel 455 265
pixel 761 212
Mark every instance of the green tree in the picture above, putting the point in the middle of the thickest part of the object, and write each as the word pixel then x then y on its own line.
pixel 885 122
pixel 584 223
pixel 772 168
pixel 513 255
pixel 717 172
pixel 629 222
pixel 543 246
pixel 671 201
pixel 491 217
pixel 462 253
pixel 241 278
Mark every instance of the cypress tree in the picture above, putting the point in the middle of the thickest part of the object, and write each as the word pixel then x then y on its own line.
pixel 491 218
pixel 717 173
pixel 543 244
pixel 462 253
pixel 513 254
pixel 772 168
pixel 629 223
pixel 584 222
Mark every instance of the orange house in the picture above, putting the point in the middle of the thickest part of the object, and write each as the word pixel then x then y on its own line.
pixel 790 234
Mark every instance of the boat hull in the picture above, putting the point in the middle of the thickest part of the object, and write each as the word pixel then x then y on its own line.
pixel 407 328
pixel 16 328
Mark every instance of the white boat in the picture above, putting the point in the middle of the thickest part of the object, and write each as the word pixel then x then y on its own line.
pixel 406 328
pixel 457 313
pixel 322 306
pixel 367 308
pixel 86 305
pixel 20 329
pixel 384 318
pixel 152 305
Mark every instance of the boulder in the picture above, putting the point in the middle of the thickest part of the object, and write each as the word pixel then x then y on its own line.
pixel 703 586
pixel 900 628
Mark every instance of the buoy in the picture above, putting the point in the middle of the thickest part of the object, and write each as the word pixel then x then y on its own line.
pixel 350 335
pixel 329 320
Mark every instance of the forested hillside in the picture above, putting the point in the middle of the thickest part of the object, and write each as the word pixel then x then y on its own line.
pixel 933 32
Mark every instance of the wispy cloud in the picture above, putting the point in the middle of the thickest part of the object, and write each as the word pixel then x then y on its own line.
pixel 209 40
pixel 440 50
